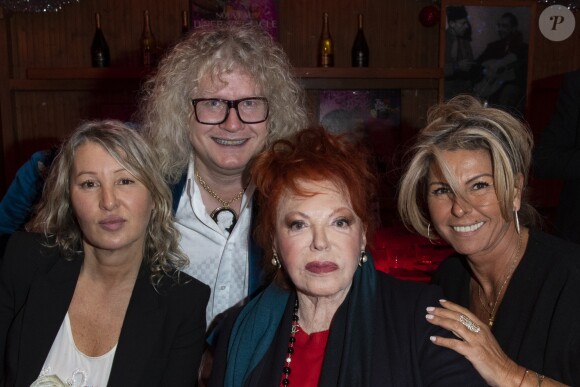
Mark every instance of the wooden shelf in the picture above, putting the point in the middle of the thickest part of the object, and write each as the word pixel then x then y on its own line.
pixel 301 72
pixel 80 79
pixel 312 78
pixel 367 73
pixel 369 78
pixel 45 73
pixel 73 84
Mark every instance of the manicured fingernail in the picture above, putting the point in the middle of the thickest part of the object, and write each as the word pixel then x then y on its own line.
pixel 429 316
pixel 442 300
pixel 430 309
pixel 433 338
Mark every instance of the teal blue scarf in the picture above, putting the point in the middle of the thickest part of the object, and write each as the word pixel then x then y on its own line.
pixel 258 322
pixel 253 333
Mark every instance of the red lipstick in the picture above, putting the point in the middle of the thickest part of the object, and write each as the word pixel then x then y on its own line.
pixel 318 267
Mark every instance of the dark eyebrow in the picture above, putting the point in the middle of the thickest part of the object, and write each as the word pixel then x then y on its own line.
pixel 479 177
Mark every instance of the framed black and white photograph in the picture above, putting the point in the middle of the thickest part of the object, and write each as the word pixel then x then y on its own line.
pixel 486 50
pixel 262 12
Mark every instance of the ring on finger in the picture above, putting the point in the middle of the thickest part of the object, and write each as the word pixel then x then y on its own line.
pixel 469 324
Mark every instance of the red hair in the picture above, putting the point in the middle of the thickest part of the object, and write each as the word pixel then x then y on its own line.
pixel 312 154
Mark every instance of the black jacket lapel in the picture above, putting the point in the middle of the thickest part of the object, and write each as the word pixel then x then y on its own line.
pixel 145 316
pixel 46 307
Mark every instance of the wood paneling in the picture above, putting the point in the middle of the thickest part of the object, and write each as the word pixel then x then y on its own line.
pixel 35 111
pixel 36 114
pixel 63 39
pixel 44 117
pixel 555 58
pixel 5 105
pixel 392 29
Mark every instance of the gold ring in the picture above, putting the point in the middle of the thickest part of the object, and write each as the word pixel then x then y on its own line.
pixel 469 324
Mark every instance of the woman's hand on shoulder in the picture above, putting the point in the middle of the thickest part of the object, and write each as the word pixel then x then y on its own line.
pixel 476 342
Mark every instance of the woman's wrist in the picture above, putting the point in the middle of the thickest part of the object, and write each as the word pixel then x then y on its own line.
pixel 526 372
pixel 531 379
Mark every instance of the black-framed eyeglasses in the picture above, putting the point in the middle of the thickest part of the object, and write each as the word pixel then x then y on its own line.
pixel 213 111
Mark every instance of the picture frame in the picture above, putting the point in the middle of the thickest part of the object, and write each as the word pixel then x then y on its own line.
pixel 372 118
pixel 487 51
pixel 354 110
pixel 261 12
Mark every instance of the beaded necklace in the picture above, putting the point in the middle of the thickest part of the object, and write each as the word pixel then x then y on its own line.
pixel 286 370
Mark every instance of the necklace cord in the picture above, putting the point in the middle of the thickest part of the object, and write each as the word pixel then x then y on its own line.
pixel 509 273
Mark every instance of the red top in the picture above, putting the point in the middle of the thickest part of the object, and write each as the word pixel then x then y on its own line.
pixel 307 358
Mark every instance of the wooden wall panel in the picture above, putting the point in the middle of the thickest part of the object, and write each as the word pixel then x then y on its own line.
pixel 554 58
pixel 27 40
pixel 63 39
pixel 43 118
pixel 394 34
pixel 5 105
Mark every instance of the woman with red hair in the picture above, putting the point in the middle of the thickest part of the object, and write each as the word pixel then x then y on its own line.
pixel 328 318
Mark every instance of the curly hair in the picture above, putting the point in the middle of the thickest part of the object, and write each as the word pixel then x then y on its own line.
pixel 312 154
pixel 464 123
pixel 55 215
pixel 213 51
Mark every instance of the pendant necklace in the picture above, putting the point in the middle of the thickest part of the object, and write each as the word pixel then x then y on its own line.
pixel 493 310
pixel 223 215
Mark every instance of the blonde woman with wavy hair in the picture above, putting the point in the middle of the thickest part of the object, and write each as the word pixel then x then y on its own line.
pixel 219 97
pixel 96 296
pixel 56 217
pixel 511 290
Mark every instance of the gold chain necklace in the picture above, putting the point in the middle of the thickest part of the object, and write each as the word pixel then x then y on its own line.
pixel 493 310
pixel 216 196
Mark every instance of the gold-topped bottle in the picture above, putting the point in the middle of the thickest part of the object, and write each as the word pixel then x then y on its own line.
pixel 325 44
pixel 148 43
pixel 184 23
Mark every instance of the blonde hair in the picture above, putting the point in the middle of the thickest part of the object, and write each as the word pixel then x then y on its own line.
pixel 55 216
pixel 213 51
pixel 464 123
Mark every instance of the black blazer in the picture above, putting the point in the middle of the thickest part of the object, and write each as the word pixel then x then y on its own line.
pixel 401 355
pixel 557 155
pixel 538 322
pixel 162 336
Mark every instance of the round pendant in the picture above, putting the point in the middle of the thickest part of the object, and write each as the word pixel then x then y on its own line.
pixel 225 218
